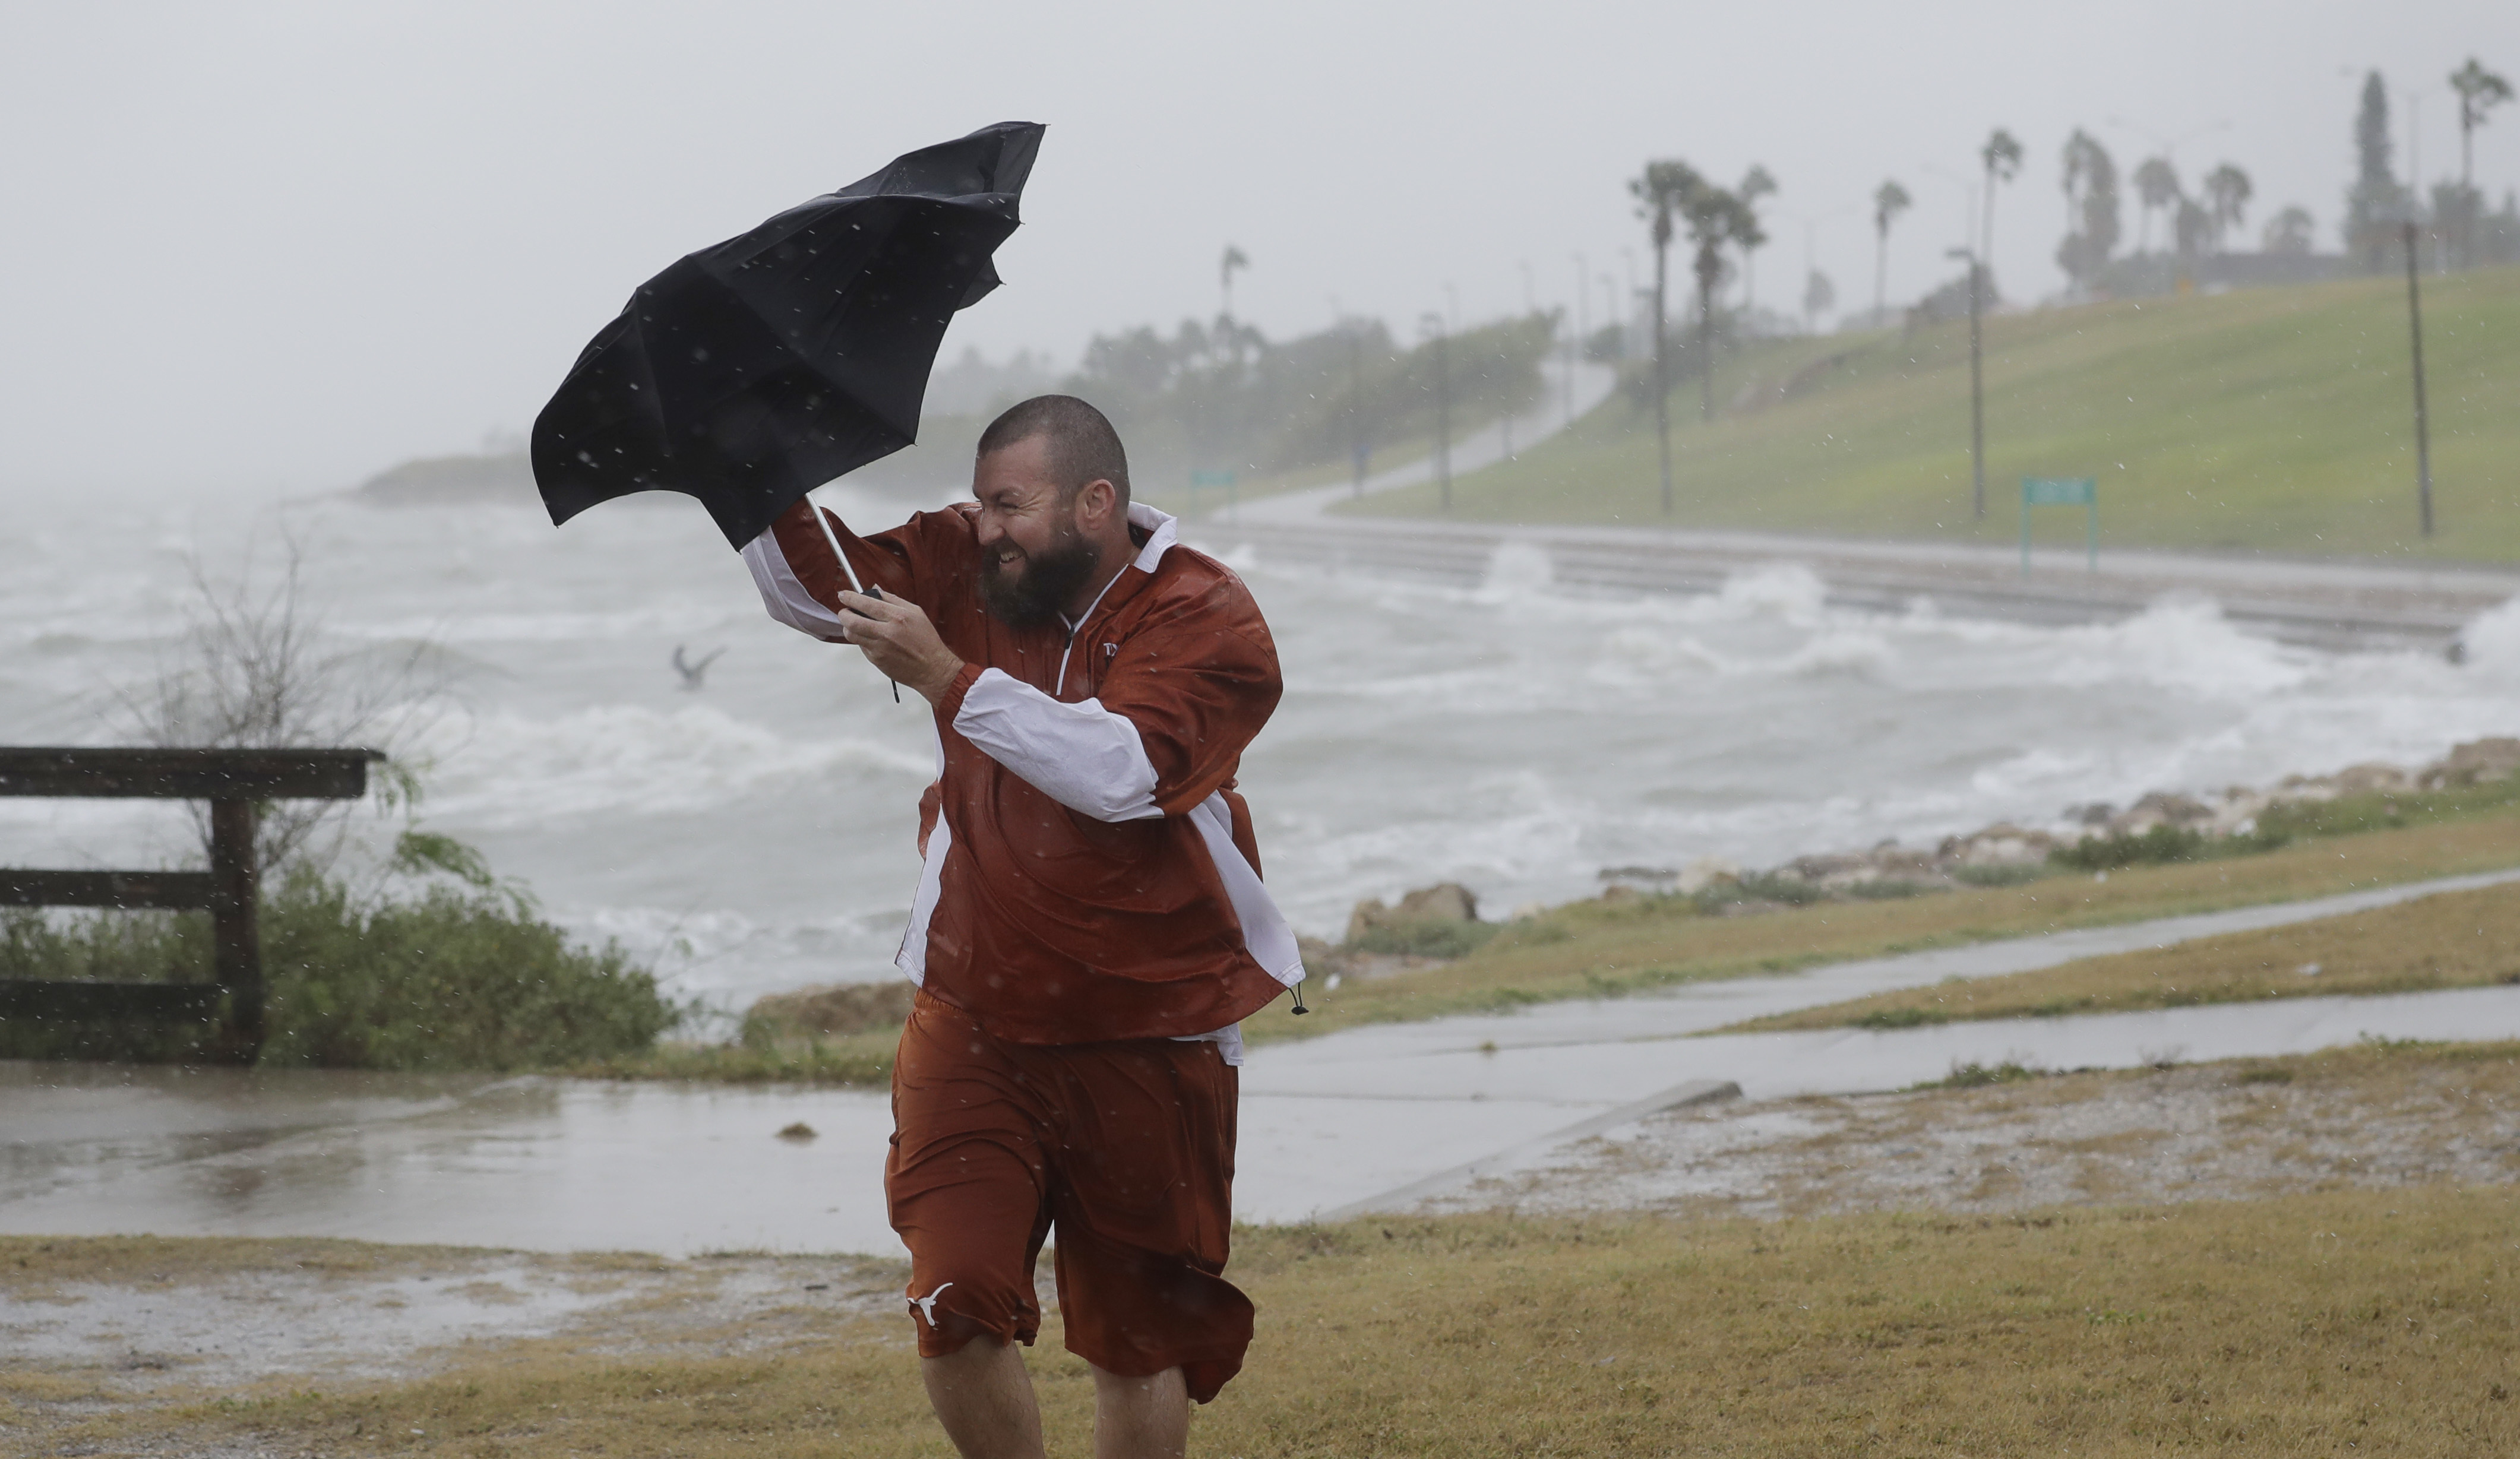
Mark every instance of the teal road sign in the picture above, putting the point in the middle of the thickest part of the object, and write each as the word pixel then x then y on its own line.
pixel 2060 491
pixel 2063 491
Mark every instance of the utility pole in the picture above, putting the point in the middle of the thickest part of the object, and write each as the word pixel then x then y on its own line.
pixel 1576 323
pixel 1443 414
pixel 1662 371
pixel 2424 426
pixel 1356 404
pixel 1977 390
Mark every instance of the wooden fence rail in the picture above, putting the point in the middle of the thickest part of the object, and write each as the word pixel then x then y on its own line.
pixel 235 783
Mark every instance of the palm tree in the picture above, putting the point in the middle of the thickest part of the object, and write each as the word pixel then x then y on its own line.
pixel 1889 200
pixel 2226 200
pixel 1716 218
pixel 1756 184
pixel 2090 208
pixel 1234 260
pixel 2479 91
pixel 1659 193
pixel 2156 185
pixel 2003 158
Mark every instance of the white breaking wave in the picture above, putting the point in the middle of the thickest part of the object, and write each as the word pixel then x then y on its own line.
pixel 758 833
pixel 503 769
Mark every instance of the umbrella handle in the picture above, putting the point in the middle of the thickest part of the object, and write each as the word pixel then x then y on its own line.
pixel 855 586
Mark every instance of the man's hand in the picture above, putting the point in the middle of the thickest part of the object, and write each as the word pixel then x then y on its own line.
pixel 897 638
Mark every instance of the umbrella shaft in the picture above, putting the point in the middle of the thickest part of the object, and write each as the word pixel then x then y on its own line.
pixel 825 523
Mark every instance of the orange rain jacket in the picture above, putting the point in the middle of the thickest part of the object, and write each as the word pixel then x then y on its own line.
pixel 1088 871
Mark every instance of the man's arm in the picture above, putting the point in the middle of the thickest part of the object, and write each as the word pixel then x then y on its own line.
pixel 1083 755
pixel 1080 755
pixel 1182 697
pixel 800 581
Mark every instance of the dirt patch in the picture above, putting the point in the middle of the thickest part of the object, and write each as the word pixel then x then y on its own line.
pixel 2374 1117
pixel 95 1328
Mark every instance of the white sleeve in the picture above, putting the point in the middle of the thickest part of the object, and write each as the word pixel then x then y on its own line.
pixel 1081 755
pixel 783 595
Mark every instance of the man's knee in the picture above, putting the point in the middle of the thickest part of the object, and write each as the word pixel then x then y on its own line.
pixel 955 1313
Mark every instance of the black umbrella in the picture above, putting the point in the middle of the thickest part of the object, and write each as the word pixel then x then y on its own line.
pixel 750 372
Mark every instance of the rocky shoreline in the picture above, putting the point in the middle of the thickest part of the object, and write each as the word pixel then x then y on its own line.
pixel 1432 924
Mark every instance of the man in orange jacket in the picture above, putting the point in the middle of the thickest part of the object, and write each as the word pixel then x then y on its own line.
pixel 1089 929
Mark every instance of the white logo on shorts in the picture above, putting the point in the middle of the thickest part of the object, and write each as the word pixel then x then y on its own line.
pixel 926 1305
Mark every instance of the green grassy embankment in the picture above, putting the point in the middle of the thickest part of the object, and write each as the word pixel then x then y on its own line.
pixel 2276 420
pixel 2455 940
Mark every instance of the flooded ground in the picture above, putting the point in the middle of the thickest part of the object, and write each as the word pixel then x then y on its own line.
pixel 162 1322
pixel 1327 1125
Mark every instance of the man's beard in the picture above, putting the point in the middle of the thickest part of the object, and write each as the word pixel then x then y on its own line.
pixel 1034 597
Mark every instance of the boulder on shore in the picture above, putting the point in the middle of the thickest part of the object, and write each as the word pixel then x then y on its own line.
pixel 2002 844
pixel 838 1008
pixel 2474 763
pixel 1444 902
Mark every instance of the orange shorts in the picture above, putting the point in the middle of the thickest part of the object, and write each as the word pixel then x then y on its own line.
pixel 1125 1148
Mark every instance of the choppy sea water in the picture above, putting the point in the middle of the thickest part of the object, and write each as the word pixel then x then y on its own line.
pixel 756 834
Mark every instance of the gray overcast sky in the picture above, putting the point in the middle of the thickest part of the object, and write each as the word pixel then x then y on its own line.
pixel 263 247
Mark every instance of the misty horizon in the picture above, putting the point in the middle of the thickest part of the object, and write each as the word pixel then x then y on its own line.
pixel 276 252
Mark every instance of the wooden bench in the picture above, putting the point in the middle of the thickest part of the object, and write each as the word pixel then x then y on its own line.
pixel 235 783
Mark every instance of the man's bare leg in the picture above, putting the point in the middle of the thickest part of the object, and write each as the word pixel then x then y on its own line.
pixel 984 1396
pixel 1140 1418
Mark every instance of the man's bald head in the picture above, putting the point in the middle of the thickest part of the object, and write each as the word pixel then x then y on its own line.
pixel 1080 443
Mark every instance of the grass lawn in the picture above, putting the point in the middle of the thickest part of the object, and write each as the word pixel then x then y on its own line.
pixel 2455 940
pixel 1598 949
pixel 2377 1322
pixel 2276 419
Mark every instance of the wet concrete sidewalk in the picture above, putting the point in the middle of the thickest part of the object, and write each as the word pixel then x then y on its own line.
pixel 1333 1124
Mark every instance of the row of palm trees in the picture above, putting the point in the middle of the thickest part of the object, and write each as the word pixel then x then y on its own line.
pixel 1675 197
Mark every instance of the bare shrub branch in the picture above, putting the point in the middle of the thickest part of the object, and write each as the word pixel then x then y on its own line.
pixel 254 671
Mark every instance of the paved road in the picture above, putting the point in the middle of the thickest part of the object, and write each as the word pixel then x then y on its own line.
pixel 2322 603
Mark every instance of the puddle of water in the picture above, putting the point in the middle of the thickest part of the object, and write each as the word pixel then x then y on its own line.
pixel 549 1165
pixel 536 1164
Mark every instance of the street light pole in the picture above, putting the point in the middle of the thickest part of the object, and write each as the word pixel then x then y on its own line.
pixel 1977 393
pixel 1575 324
pixel 2424 426
pixel 1356 404
pixel 1443 414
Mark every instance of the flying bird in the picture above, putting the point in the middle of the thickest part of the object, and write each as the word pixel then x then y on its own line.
pixel 693 674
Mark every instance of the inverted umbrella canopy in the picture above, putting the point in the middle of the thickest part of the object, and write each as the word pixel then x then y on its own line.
pixel 750 372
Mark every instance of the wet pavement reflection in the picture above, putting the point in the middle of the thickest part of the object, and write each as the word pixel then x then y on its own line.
pixel 559 1165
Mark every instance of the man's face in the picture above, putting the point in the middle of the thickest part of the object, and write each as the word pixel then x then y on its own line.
pixel 1032 556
